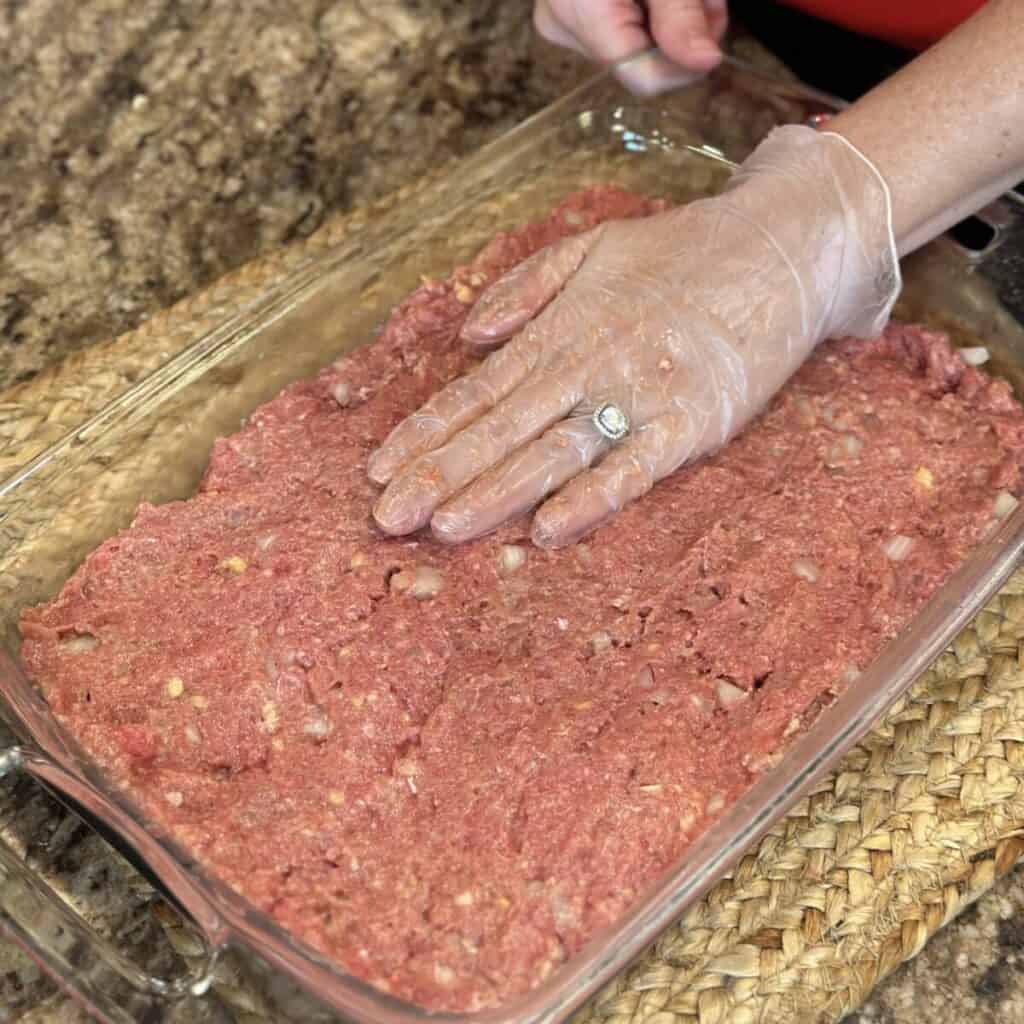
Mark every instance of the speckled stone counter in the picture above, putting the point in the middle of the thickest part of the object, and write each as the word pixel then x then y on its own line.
pixel 148 146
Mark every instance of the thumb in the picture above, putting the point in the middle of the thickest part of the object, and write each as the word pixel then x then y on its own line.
pixel 515 299
pixel 687 31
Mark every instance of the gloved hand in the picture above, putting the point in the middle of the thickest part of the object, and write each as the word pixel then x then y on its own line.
pixel 687 31
pixel 688 321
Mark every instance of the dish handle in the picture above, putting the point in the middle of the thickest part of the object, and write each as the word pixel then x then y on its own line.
pixel 64 945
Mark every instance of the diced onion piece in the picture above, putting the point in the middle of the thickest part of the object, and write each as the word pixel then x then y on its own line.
pixel 924 477
pixel 342 393
pixel 422 583
pixel 510 558
pixel 429 582
pixel 77 643
pixel 846 449
pixel 703 599
pixel 805 569
pixel 317 725
pixel 805 409
pixel 271 717
pixel 850 674
pixel 1005 503
pixel 760 763
pixel 601 642
pixel 400 582
pixel 991 527
pixel 728 694
pixel 701 703
pixel 645 677
pixel 974 356
pixel 898 547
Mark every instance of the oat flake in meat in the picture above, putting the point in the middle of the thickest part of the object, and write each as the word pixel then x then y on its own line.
pixel 434 764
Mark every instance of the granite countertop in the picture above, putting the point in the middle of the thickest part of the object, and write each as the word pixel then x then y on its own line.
pixel 147 147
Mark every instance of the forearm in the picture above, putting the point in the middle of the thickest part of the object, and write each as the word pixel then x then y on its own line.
pixel 947 132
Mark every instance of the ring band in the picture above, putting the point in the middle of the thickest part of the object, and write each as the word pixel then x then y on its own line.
pixel 611 422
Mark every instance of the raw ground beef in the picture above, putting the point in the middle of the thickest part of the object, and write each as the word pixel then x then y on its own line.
pixel 447 767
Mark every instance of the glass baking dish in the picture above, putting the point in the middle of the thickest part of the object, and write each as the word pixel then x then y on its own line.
pixel 152 443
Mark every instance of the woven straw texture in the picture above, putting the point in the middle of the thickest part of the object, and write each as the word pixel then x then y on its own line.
pixel 919 820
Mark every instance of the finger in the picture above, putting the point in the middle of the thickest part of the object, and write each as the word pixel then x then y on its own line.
pixel 525 290
pixel 549 26
pixel 452 408
pixel 613 31
pixel 718 18
pixel 411 498
pixel 521 482
pixel 627 473
pixel 683 31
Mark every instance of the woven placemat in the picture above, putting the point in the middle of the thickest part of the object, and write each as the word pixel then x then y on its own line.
pixel 919 820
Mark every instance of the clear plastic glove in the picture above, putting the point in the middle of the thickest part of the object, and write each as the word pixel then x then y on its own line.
pixel 687 32
pixel 688 321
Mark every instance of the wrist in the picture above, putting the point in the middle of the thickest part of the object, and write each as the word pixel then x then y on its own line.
pixel 828 213
pixel 871 277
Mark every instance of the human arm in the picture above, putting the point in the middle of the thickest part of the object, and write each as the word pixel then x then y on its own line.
pixel 947 131
pixel 691 319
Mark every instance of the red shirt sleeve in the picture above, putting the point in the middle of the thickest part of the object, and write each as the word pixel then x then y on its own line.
pixel 913 24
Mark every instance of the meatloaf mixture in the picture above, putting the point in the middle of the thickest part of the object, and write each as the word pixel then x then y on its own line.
pixel 447 767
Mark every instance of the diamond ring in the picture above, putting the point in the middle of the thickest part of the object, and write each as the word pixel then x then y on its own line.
pixel 611 422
